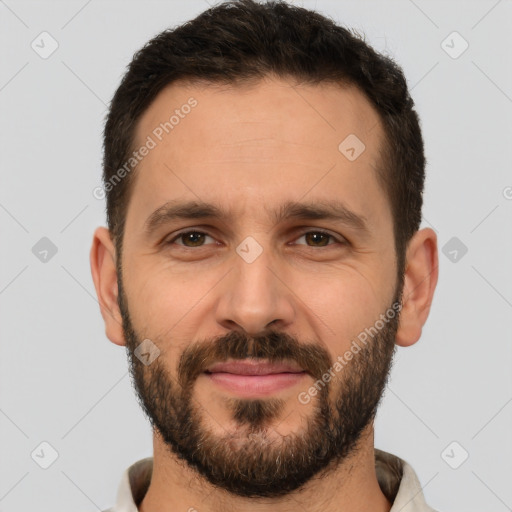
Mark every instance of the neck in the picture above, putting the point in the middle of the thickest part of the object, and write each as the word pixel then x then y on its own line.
pixel 350 486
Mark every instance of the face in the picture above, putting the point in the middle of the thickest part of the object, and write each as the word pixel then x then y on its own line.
pixel 255 254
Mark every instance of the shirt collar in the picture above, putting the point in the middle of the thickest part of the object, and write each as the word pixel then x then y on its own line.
pixel 399 483
pixel 396 478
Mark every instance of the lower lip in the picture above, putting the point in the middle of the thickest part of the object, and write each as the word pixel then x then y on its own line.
pixel 255 385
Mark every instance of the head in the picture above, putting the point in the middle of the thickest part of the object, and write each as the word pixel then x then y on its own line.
pixel 263 171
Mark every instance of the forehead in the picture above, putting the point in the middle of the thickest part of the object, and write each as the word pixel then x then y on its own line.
pixel 272 139
pixel 319 115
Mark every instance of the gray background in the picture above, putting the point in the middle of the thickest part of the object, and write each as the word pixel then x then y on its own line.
pixel 62 381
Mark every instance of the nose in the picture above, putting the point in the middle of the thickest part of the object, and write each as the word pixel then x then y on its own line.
pixel 254 297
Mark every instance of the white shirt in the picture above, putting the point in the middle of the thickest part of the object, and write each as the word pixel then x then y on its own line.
pixel 396 478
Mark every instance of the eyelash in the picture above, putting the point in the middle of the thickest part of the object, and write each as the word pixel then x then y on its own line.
pixel 316 231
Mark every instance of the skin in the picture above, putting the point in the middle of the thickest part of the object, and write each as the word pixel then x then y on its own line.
pixel 245 147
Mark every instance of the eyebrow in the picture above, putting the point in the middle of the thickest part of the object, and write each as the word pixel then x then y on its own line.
pixel 332 210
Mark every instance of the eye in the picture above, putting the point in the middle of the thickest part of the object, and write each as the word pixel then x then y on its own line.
pixel 318 238
pixel 194 238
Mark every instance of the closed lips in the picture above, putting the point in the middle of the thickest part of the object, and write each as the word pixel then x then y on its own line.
pixel 253 368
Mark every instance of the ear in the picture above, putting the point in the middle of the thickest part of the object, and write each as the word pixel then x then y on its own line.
pixel 420 280
pixel 104 275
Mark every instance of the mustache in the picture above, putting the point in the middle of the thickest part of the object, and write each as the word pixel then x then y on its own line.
pixel 273 346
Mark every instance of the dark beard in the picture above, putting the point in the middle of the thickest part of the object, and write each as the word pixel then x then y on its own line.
pixel 251 463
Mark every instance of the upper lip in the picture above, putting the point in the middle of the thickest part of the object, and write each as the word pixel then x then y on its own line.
pixel 248 367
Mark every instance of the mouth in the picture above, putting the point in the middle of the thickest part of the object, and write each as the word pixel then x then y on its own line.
pixel 251 378
pixel 253 367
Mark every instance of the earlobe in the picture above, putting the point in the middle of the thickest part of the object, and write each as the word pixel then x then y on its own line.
pixel 104 274
pixel 420 281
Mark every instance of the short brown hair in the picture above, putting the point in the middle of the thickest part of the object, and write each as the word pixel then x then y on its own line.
pixel 242 41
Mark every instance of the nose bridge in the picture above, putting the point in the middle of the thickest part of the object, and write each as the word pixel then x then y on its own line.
pixel 253 295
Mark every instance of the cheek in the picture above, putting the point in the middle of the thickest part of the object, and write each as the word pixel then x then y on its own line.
pixel 341 307
pixel 163 302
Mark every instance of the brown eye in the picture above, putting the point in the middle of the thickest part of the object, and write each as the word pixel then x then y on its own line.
pixel 318 239
pixel 190 239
